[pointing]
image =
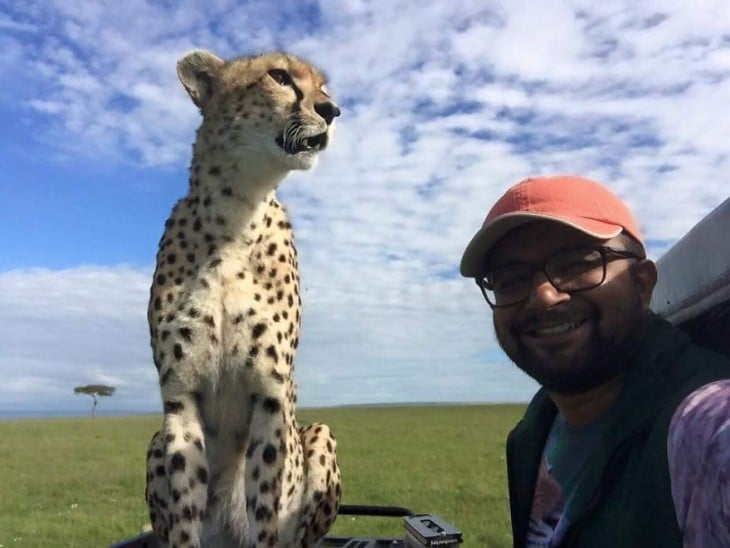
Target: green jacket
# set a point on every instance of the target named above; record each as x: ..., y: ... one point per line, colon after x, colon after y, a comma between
x: 625, y: 497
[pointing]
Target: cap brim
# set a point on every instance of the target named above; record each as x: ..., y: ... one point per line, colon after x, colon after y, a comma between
x: 472, y: 262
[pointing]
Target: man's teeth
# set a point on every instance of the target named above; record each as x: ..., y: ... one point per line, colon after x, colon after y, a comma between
x: 556, y: 329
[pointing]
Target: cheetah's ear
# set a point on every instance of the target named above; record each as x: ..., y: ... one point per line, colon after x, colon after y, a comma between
x: 198, y: 71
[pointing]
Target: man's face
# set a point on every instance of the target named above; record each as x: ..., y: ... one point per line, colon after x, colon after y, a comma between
x: 570, y: 343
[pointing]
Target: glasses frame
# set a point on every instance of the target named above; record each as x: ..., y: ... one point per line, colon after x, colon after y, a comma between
x: 607, y: 253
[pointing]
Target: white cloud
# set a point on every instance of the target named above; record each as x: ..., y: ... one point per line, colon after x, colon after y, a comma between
x: 88, y: 326
x: 444, y: 106
x: 72, y: 327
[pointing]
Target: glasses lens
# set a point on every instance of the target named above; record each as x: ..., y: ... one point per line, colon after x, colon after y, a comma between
x: 576, y: 269
x: 507, y: 285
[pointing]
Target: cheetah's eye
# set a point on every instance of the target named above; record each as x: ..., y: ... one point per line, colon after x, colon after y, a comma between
x: 281, y: 77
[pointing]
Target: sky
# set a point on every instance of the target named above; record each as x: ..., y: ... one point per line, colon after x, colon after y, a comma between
x: 444, y: 106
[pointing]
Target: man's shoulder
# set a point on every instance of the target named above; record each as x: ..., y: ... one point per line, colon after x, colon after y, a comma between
x: 684, y: 364
x: 531, y: 431
x: 697, y: 366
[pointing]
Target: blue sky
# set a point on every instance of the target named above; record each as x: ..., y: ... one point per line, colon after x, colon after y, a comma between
x: 445, y: 104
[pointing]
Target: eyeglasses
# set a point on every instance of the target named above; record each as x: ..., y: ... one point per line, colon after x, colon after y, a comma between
x: 569, y: 271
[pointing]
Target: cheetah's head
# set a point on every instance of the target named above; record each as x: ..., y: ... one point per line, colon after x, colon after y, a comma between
x: 270, y: 109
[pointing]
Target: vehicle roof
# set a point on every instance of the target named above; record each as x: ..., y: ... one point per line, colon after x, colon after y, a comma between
x: 693, y: 289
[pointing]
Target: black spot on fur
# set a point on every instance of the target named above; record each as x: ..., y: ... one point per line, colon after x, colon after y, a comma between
x: 271, y: 352
x: 178, y: 351
x: 186, y: 333
x: 177, y: 463
x: 173, y: 407
x: 258, y: 330
x: 269, y: 454
x: 272, y: 405
x: 252, y: 448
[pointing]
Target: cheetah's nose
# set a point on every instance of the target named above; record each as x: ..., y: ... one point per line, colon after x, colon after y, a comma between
x: 327, y: 110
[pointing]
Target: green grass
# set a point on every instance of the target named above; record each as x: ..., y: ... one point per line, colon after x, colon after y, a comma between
x: 80, y: 482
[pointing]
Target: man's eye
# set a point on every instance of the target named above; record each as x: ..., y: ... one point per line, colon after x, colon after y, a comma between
x: 577, y: 267
x: 574, y: 266
x: 509, y: 281
x: 280, y: 76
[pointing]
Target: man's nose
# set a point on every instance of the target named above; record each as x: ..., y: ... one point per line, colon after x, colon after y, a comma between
x: 544, y: 294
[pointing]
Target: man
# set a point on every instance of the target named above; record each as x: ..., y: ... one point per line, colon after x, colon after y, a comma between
x: 562, y: 264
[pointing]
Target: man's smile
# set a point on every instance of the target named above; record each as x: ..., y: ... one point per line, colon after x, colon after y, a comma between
x: 551, y: 336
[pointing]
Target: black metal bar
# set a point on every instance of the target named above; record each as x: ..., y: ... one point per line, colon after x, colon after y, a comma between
x: 370, y: 510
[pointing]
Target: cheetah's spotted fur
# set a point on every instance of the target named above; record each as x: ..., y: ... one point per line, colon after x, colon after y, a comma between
x: 230, y: 466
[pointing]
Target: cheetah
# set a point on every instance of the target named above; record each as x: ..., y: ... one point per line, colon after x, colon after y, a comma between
x: 230, y: 466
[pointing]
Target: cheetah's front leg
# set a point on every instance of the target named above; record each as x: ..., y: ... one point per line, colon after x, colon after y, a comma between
x: 185, y: 467
x: 323, y: 482
x: 264, y: 468
x: 157, y: 489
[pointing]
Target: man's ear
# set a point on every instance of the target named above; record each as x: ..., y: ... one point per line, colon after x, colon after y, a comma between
x: 645, y: 276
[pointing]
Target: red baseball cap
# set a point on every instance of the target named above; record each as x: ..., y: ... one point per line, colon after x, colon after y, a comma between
x: 568, y: 199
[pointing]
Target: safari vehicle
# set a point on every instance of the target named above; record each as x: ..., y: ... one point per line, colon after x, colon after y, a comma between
x: 419, y: 530
x: 693, y: 292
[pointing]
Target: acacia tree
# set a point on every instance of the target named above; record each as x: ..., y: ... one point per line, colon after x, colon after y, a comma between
x: 95, y: 390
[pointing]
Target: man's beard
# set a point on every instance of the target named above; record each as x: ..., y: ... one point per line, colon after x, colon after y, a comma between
x: 603, y: 358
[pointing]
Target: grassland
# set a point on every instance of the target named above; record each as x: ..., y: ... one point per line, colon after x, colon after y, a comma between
x: 79, y: 482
